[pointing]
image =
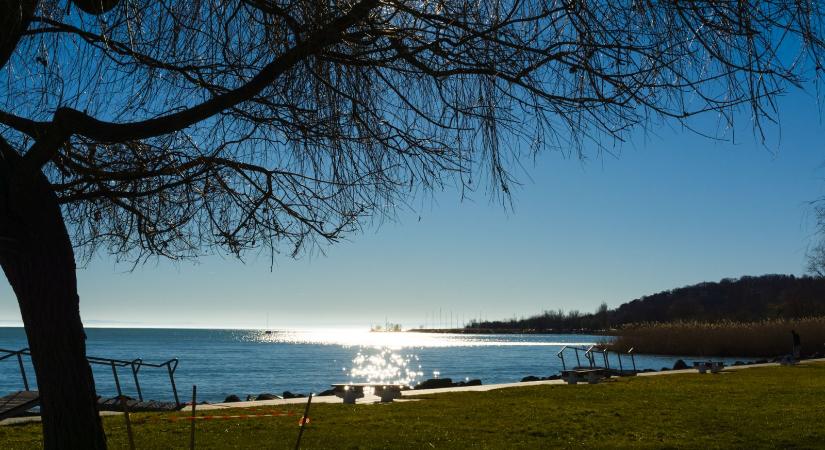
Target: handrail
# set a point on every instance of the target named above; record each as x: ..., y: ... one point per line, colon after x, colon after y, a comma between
x: 135, y: 365
x: 19, y: 354
x: 576, y: 350
x: 590, y: 355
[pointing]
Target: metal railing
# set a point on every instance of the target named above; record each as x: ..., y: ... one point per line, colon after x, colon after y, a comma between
x: 135, y: 365
x: 576, y: 350
x: 590, y: 354
x: 19, y: 354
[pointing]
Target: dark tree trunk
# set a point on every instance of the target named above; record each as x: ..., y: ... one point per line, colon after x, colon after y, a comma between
x: 37, y: 257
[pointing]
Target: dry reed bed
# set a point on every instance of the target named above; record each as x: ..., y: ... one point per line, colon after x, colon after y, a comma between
x: 752, y: 339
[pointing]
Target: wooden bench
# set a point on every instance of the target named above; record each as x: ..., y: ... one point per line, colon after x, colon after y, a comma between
x: 592, y: 376
x: 350, y: 392
x: 704, y: 366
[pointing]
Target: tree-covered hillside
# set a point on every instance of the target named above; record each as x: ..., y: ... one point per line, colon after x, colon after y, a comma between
x: 748, y: 298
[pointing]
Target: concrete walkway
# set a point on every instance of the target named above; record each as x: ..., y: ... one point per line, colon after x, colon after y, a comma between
x: 373, y: 398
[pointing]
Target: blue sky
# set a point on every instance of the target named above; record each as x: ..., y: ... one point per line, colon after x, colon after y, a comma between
x: 672, y: 209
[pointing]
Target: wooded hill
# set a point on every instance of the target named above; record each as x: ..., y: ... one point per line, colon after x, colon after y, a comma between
x: 747, y: 299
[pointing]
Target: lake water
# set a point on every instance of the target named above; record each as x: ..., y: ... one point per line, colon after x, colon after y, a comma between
x: 244, y: 362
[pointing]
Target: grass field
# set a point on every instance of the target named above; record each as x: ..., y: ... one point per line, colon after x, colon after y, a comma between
x: 774, y: 407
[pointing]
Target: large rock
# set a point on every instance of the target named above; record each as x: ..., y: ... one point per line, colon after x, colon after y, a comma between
x: 435, y: 383
x: 267, y: 397
x: 472, y: 383
x: 232, y: 399
x: 326, y: 393
x: 680, y: 365
x: 288, y: 394
x: 530, y: 378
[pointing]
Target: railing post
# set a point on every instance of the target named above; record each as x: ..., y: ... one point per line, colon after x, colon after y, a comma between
x: 619, y: 355
x: 135, y: 376
x: 578, y: 361
x: 22, y: 369
x: 117, y: 381
x: 172, y: 380
x: 560, y: 354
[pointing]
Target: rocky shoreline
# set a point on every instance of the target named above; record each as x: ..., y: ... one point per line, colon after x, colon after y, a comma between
x: 438, y: 383
x: 433, y: 383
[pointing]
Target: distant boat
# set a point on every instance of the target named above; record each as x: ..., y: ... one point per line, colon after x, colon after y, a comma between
x: 268, y: 331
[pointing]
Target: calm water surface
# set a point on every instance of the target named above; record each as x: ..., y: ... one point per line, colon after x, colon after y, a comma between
x: 250, y: 362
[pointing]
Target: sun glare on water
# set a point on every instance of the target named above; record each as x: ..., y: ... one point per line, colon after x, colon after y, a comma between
x: 388, y: 357
x: 391, y: 340
x: 384, y: 366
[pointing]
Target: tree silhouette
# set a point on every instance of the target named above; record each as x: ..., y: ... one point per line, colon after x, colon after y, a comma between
x: 173, y: 128
x: 816, y: 253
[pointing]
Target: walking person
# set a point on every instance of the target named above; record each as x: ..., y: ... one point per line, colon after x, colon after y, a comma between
x: 797, y: 345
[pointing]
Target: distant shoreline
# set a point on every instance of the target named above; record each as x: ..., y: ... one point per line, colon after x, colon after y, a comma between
x: 507, y: 331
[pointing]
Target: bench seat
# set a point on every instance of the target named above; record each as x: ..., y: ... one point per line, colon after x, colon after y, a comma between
x: 350, y: 392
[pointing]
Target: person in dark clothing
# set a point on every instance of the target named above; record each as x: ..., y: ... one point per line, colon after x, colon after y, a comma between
x: 797, y: 344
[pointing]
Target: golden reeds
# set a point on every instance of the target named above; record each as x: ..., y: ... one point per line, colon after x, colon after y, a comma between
x: 751, y: 339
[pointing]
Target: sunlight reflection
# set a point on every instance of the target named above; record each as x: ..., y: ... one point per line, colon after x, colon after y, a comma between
x: 383, y: 366
x: 394, y: 340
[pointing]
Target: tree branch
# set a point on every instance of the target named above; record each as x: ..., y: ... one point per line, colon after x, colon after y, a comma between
x: 69, y: 121
x: 14, y: 20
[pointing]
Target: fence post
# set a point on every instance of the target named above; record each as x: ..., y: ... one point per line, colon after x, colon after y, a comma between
x: 304, y: 420
x: 192, y: 425
x: 125, y: 407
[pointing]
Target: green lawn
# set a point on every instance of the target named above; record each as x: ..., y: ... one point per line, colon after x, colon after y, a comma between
x: 776, y: 407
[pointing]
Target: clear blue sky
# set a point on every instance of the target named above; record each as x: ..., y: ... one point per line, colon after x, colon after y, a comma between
x: 673, y: 209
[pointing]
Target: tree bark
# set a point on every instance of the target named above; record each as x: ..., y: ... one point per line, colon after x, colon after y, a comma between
x: 37, y: 257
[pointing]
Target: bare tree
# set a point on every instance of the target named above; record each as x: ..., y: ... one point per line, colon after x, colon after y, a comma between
x: 816, y: 253
x: 174, y: 128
